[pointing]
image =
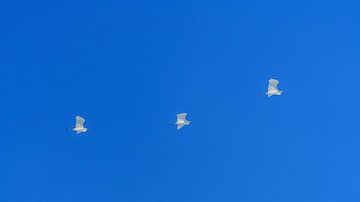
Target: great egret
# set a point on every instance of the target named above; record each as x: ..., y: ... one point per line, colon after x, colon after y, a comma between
x: 79, y: 125
x: 273, y: 89
x: 181, y: 120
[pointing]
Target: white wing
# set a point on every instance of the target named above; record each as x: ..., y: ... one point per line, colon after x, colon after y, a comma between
x: 181, y: 116
x: 273, y: 83
x: 79, y: 122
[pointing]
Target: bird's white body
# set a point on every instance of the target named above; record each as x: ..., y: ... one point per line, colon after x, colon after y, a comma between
x: 80, y: 130
x: 79, y: 125
x: 181, y: 120
x: 273, y: 89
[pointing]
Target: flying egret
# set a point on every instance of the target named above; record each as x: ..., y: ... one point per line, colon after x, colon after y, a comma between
x: 79, y: 125
x: 273, y: 89
x: 181, y: 120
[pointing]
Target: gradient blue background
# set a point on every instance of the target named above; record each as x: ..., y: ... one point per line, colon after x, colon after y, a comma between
x: 130, y: 66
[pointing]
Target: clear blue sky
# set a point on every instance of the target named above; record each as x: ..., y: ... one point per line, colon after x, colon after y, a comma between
x: 129, y: 67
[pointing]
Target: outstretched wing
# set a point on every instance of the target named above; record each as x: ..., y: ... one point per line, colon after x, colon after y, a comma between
x: 181, y: 116
x: 79, y: 122
x: 180, y: 126
x: 273, y: 83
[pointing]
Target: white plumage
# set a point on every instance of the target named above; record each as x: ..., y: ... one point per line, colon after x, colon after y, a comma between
x: 79, y: 125
x: 181, y: 120
x: 273, y: 89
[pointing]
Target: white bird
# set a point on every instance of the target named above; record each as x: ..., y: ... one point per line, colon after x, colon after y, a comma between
x: 79, y: 125
x: 181, y: 120
x: 273, y: 89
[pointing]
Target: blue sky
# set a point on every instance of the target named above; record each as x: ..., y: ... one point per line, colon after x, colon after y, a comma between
x: 130, y: 66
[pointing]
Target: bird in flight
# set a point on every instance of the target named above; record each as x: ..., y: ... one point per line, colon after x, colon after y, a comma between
x: 273, y: 89
x: 181, y: 120
x: 79, y: 125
